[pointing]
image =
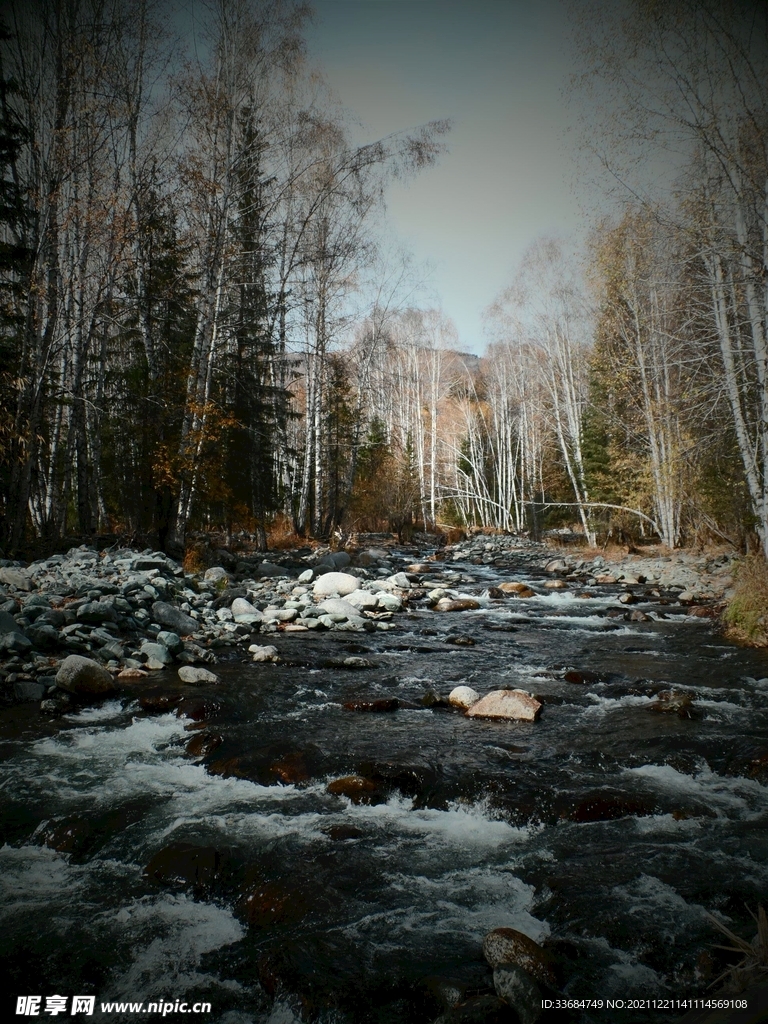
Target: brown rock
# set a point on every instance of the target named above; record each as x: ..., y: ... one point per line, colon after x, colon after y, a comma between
x: 270, y: 903
x: 511, y: 704
x: 383, y: 704
x: 356, y: 788
x: 160, y: 702
x: 605, y: 578
x: 199, y: 709
x: 509, y: 946
x: 556, y: 585
x: 128, y: 674
x: 673, y: 702
x: 291, y: 769
x: 576, y: 676
x: 204, y: 743
x: 518, y: 589
x: 457, y: 604
x: 184, y: 864
x: 610, y: 808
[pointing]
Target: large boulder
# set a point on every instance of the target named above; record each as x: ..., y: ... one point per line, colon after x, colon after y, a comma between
x: 341, y: 583
x: 165, y: 614
x: 512, y: 704
x: 84, y: 677
x: 17, y: 578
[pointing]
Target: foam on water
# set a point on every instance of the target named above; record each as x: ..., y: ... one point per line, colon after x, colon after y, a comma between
x: 649, y: 899
x: 730, y: 796
x: 166, y: 936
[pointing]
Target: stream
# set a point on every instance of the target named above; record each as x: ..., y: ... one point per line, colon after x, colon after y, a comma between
x: 135, y: 870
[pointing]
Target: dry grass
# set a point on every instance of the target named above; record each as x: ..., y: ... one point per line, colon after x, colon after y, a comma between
x: 753, y: 966
x: 746, y: 616
x: 282, y: 537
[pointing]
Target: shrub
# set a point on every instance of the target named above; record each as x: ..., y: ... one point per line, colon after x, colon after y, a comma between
x: 747, y: 613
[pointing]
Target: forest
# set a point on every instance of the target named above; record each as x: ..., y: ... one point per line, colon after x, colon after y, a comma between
x: 199, y: 329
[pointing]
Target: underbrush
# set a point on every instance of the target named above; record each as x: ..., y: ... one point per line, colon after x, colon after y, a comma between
x: 746, y: 616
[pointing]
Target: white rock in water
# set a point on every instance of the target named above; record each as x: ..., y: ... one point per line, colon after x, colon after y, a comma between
x: 265, y: 653
x: 463, y: 697
x: 389, y: 602
x: 341, y: 583
x: 194, y: 675
x: 513, y: 704
x: 362, y: 599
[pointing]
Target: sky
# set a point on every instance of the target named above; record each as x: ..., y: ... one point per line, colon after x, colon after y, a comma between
x: 498, y: 69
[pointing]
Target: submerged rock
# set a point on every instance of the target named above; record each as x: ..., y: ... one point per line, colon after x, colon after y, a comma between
x: 512, y: 704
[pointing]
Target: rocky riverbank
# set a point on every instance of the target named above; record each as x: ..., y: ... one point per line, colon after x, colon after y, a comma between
x: 81, y: 624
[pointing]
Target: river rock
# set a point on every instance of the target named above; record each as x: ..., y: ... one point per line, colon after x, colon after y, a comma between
x: 673, y: 702
x: 7, y: 623
x: 388, y: 602
x: 364, y: 600
x: 165, y: 614
x: 509, y: 946
x: 96, y: 612
x: 517, y: 988
x: 170, y: 640
x: 456, y: 604
x: 341, y: 583
x: 513, y: 704
x: 43, y: 636
x: 270, y: 569
x: 157, y: 655
x: 196, y: 676
x: 355, y: 787
x: 264, y: 653
x: 182, y: 864
x: 215, y: 573
x: 463, y: 697
x: 17, y: 578
x: 556, y: 565
x: 84, y: 677
x: 335, y: 606
x: 518, y: 589
x: 556, y: 585
x: 244, y: 611
x: 14, y: 642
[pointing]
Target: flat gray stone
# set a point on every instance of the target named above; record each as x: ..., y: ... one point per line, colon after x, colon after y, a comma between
x: 196, y: 676
x: 15, y: 578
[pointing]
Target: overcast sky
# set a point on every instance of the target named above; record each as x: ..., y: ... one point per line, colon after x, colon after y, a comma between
x: 497, y: 69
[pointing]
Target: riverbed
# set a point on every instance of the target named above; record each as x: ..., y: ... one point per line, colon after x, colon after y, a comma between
x: 136, y: 869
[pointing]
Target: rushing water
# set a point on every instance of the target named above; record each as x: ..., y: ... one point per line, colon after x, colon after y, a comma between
x: 604, y: 828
